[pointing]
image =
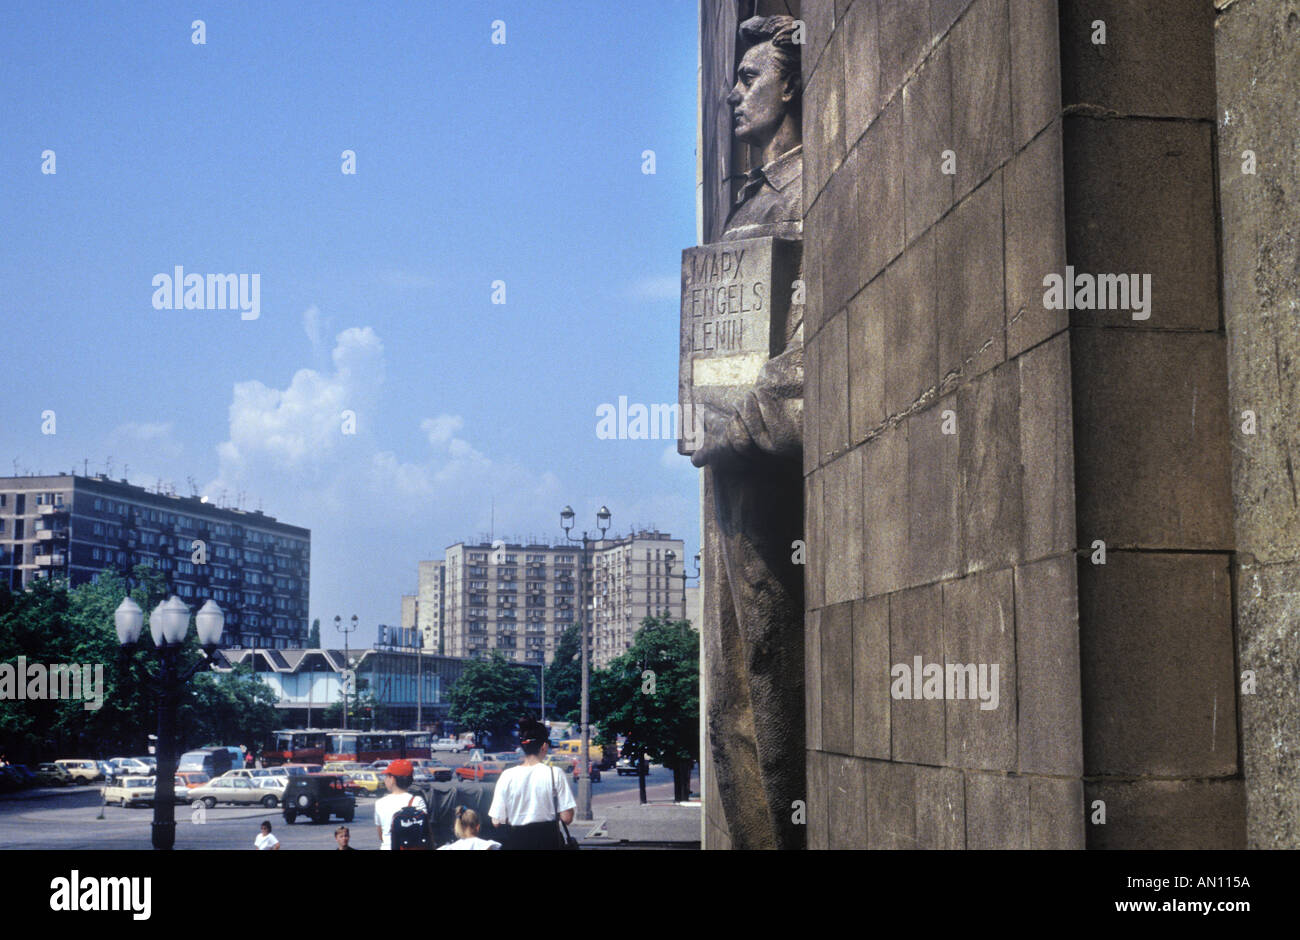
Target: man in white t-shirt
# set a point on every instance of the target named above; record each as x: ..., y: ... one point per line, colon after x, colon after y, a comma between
x: 397, y: 780
x: 528, y: 797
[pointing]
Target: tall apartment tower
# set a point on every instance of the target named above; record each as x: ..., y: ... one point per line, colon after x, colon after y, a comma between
x: 514, y: 598
x: 634, y: 578
x: 257, y: 569
x: 430, y: 587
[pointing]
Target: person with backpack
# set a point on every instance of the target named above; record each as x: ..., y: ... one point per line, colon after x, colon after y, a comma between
x: 533, y: 798
x: 401, y: 817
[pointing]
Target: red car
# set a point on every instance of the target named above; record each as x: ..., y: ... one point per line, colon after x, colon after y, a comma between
x: 482, y: 769
x: 573, y: 766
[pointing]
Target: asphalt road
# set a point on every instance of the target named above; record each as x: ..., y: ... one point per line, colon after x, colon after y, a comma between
x: 70, y: 818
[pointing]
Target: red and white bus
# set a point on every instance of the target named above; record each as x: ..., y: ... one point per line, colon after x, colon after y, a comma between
x: 294, y: 746
x: 367, y: 746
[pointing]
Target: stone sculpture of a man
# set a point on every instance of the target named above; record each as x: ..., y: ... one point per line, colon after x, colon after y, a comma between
x: 754, y: 489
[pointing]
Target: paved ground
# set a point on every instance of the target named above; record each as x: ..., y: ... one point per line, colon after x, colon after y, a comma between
x: 73, y: 818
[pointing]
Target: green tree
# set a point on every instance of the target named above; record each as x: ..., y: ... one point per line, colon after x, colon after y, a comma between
x: 491, y: 695
x: 365, y: 712
x: 651, y: 694
x: 564, y: 676
x: 313, y: 638
x: 228, y: 708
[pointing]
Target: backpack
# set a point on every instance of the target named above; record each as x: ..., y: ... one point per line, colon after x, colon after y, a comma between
x: 410, y: 829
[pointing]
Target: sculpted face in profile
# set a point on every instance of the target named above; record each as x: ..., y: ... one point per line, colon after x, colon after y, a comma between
x: 765, y: 99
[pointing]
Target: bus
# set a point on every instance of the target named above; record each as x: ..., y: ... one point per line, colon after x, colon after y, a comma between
x: 294, y: 746
x: 367, y: 746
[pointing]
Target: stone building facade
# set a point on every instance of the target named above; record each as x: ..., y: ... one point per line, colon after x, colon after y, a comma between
x: 1063, y: 490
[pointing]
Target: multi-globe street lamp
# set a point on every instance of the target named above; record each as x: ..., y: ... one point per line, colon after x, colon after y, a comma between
x: 348, y: 677
x: 168, y: 624
x: 602, y: 523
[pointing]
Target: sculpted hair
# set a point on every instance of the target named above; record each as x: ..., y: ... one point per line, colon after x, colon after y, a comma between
x: 779, y: 31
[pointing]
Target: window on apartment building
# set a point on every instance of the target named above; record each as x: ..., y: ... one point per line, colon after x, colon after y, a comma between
x: 99, y: 505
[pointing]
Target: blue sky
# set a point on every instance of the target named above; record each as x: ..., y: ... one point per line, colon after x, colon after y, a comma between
x: 475, y: 162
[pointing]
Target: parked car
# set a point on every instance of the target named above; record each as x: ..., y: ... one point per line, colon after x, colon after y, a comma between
x: 448, y: 744
x: 274, y: 783
x: 130, y: 791
x: 318, y: 796
x: 627, y: 766
x: 52, y: 775
x: 82, y: 771
x: 342, y: 766
x: 298, y: 770
x: 240, y: 790
x: 9, y: 780
x: 192, y: 778
x: 130, y: 767
x: 251, y: 773
x: 484, y: 769
x: 105, y: 768
x: 150, y: 762
x: 370, y: 781
x: 434, y: 768
x: 213, y: 761
x: 24, y: 775
x: 379, y: 765
x: 573, y: 766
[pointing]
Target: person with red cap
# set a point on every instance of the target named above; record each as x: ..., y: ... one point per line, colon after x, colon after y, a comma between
x: 397, y: 780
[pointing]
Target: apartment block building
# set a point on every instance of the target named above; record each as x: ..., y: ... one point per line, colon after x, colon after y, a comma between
x: 519, y: 598
x: 73, y: 527
x: 633, y: 578
x: 428, y: 606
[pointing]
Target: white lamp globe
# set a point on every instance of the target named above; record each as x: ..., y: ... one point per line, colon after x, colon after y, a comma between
x: 129, y: 620
x: 176, y: 621
x: 156, y: 617
x: 210, y: 620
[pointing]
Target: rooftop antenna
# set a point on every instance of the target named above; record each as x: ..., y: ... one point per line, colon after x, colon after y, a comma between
x: 492, y: 524
x: 108, y: 465
x: 85, y: 466
x: 126, y: 471
x: 194, y: 487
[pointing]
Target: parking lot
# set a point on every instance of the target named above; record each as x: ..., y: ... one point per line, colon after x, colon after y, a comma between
x: 74, y: 818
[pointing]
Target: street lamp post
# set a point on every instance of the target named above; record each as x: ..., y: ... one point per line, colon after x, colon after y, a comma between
x: 669, y: 557
x: 584, y: 781
x: 347, y: 662
x: 168, y: 624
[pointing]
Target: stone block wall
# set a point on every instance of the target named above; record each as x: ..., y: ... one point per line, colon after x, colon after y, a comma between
x: 1257, y: 50
x: 965, y: 446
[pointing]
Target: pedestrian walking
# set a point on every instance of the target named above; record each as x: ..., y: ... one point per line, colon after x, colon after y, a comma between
x: 266, y: 841
x: 467, y: 826
x: 401, y: 812
x: 533, y: 799
x: 342, y: 836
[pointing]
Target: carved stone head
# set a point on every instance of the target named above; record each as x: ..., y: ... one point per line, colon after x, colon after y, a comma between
x: 767, y: 97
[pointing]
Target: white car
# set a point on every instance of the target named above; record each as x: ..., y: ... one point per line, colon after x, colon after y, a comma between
x: 250, y: 774
x: 446, y: 744
x: 233, y: 790
x: 122, y: 766
x: 130, y: 791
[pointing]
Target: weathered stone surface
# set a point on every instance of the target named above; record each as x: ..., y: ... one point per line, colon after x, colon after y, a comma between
x: 943, y: 13
x: 840, y: 257
x: 934, y: 530
x: 1130, y: 73
x: 940, y: 808
x: 891, y: 806
x: 824, y: 119
x: 1150, y: 211
x: 837, y: 678
x: 876, y: 162
x: 927, y: 133
x: 1269, y: 646
x: 904, y: 39
x: 1034, y: 220
x: 1151, y: 439
x: 1047, y: 450
x: 1056, y: 817
x: 833, y: 387
x: 979, y: 628
x: 812, y: 355
x: 989, y: 464
x: 1155, y: 651
x: 818, y: 800
x: 1050, y: 732
x: 843, y: 534
x: 971, y: 305
x: 997, y: 811
x: 812, y: 678
x: 846, y: 782
x: 862, y: 99
x: 814, y: 579
x: 981, y: 87
x: 885, y: 512
x: 867, y: 360
x: 871, y: 678
x: 911, y: 326
x: 819, y: 21
x: 1167, y: 814
x: 916, y: 629
x: 1035, y: 67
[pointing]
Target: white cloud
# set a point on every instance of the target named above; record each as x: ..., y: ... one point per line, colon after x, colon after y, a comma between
x: 660, y: 287
x: 311, y: 325
x: 158, y: 435
x: 408, y: 280
x: 441, y: 428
